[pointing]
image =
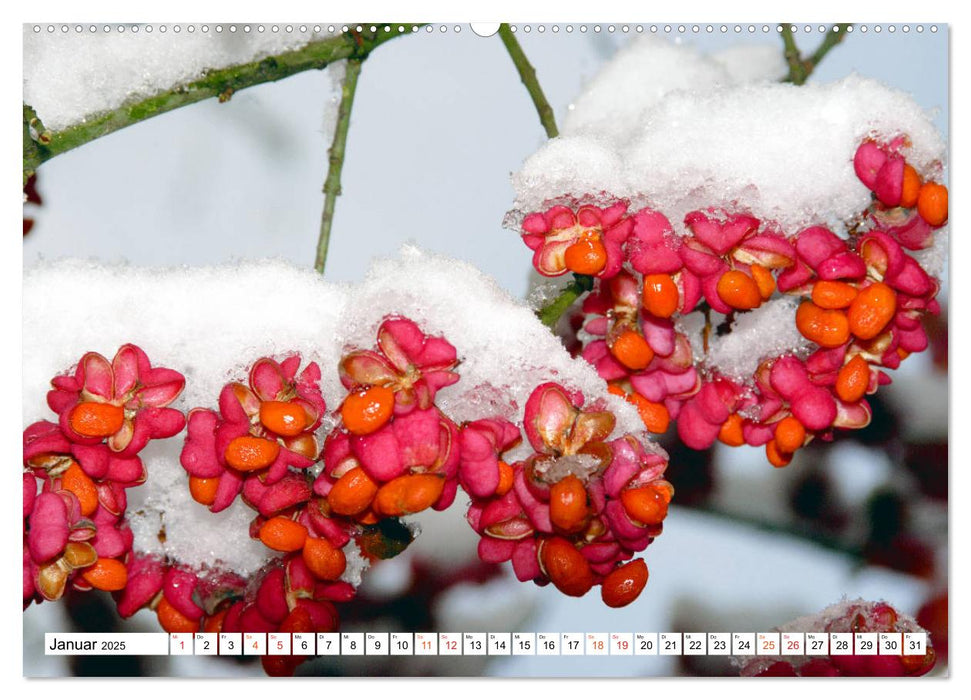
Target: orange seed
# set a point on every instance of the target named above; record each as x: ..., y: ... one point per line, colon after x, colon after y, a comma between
x: 660, y: 296
x: 81, y: 485
x: 932, y: 203
x: 566, y: 567
x: 106, y: 575
x: 203, y: 490
x: 282, y: 534
x: 830, y: 294
x: 632, y: 351
x: 172, y: 620
x: 911, y: 189
x: 872, y: 310
x: 568, y: 503
x: 410, y: 493
x: 285, y: 418
x: 92, y: 419
x: 825, y: 327
x: 323, y: 559
x: 763, y: 280
x: 790, y: 435
x: 731, y: 431
x: 587, y: 256
x: 366, y: 410
x: 853, y: 380
x: 738, y: 290
x: 622, y: 585
x: 248, y: 453
x: 352, y: 493
x: 647, y: 505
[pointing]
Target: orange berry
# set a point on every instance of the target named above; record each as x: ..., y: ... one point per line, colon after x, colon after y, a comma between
x: 622, y: 585
x: 566, y: 567
x: 411, y: 493
x: 92, y: 419
x: 872, y: 310
x: 776, y: 458
x: 324, y: 560
x: 825, y: 327
x: 731, y: 431
x: 283, y: 534
x: 911, y: 190
x: 647, y: 505
x: 106, y: 575
x: 248, y: 453
x: 352, y: 493
x: 739, y: 291
x: 505, y: 479
x: 568, y: 503
x: 853, y: 380
x: 632, y: 351
x: 587, y: 256
x: 203, y: 490
x: 660, y: 296
x: 285, y: 418
x: 366, y: 410
x: 829, y: 294
x: 763, y: 280
x: 81, y: 485
x: 654, y: 415
x: 932, y: 203
x: 172, y: 620
x: 790, y: 435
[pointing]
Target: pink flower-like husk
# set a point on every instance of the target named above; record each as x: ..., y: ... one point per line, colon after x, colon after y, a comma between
x: 422, y: 439
x: 113, y: 538
x: 718, y: 231
x: 771, y: 250
x: 867, y: 161
x: 652, y: 247
x: 271, y: 597
x: 49, y: 527
x: 482, y: 442
x: 178, y: 587
x: 199, y: 457
x: 537, y: 511
x: 276, y: 381
x: 889, y: 185
x: 146, y: 574
x: 269, y: 499
x: 495, y: 551
x: 525, y: 563
x: 30, y: 492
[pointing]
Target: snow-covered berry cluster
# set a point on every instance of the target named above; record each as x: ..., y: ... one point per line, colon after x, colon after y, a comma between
x: 660, y: 301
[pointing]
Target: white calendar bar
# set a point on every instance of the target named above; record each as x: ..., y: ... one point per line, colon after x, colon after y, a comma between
x: 96, y: 644
x: 488, y: 644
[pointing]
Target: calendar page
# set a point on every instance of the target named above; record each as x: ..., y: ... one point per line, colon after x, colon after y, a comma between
x: 522, y: 350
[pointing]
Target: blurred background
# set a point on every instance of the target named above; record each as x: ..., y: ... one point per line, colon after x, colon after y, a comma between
x: 440, y: 120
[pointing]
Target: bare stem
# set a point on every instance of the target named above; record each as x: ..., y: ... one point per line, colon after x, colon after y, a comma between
x: 528, y: 75
x: 40, y: 146
x: 799, y: 68
x: 332, y: 185
x: 551, y: 313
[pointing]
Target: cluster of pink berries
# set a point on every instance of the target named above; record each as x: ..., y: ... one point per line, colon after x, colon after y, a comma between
x: 77, y: 471
x: 573, y: 513
x: 858, y: 617
x: 862, y: 303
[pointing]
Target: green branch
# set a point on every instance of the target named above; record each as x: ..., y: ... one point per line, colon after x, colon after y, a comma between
x: 332, y: 185
x: 551, y: 313
x: 799, y: 68
x: 528, y: 75
x: 220, y: 83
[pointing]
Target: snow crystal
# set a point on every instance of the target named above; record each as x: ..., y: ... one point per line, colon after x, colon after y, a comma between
x: 580, y: 465
x: 212, y: 323
x: 768, y: 331
x: 357, y: 564
x: 668, y: 128
x: 934, y: 258
x: 71, y: 76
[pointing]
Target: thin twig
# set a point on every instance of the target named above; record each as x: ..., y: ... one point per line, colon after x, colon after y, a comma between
x: 220, y: 83
x: 528, y: 75
x: 799, y: 68
x: 551, y: 313
x: 332, y: 185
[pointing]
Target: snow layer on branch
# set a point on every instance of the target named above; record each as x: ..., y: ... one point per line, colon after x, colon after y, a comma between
x: 70, y: 76
x: 641, y: 74
x: 212, y: 323
x: 674, y: 136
